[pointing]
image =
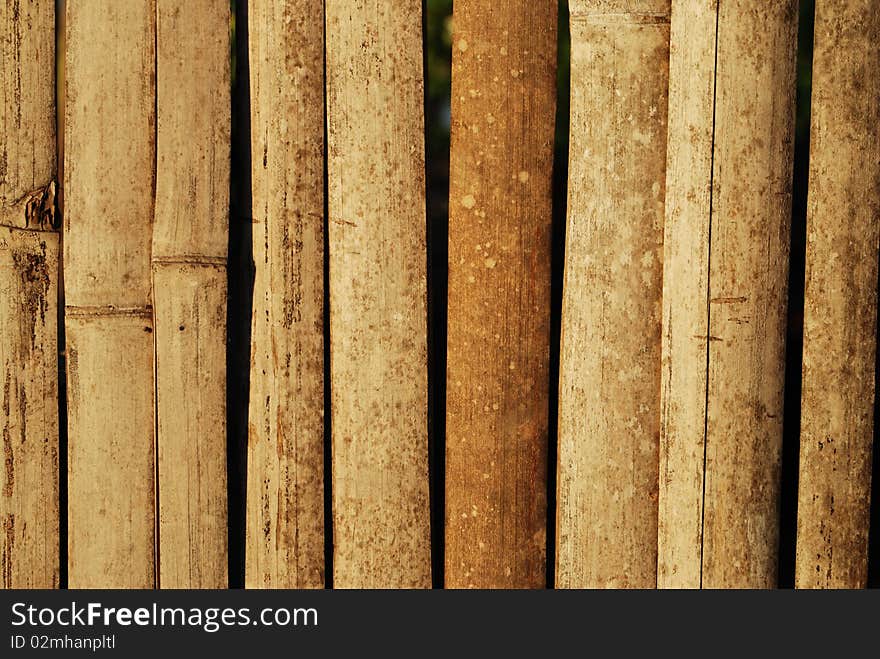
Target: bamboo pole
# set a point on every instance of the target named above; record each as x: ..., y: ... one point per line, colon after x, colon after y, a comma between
x: 285, y: 498
x: 29, y: 507
x: 29, y: 510
x: 376, y: 179
x: 840, y: 310
x: 109, y: 173
x: 498, y: 345
x: 190, y: 236
x: 731, y: 119
x: 609, y: 408
x: 29, y: 271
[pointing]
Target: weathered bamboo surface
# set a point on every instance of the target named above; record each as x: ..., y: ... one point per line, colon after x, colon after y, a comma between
x: 109, y: 183
x: 748, y: 291
x: 27, y: 113
x: 685, y: 276
x: 609, y: 412
x: 840, y: 310
x: 731, y: 121
x: 503, y: 104
x: 29, y: 510
x: 190, y: 236
x: 285, y: 509
x: 29, y: 272
x: 376, y: 167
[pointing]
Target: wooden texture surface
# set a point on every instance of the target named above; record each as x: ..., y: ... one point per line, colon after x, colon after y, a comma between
x: 840, y: 310
x: 609, y: 405
x: 109, y: 186
x: 376, y: 169
x: 189, y: 286
x: 285, y: 509
x: 725, y: 291
x: 29, y: 272
x: 498, y: 344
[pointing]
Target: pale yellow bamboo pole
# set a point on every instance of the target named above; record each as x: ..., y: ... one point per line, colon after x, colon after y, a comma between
x: 748, y: 290
x: 498, y: 345
x: 190, y: 236
x: 109, y: 182
x: 685, y: 286
x: 376, y: 179
x: 609, y: 405
x: 285, y: 498
x: 840, y: 306
x: 29, y: 270
x: 728, y: 206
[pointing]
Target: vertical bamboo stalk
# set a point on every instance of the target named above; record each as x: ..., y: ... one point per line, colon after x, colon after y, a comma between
x: 748, y: 290
x: 609, y: 412
x: 376, y: 179
x: 29, y: 270
x: 503, y: 99
x: 189, y: 287
x: 840, y: 310
x: 731, y: 120
x: 109, y: 178
x: 29, y: 510
x: 285, y: 498
x: 685, y: 286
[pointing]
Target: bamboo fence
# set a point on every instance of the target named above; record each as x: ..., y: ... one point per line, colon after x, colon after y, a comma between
x: 671, y: 407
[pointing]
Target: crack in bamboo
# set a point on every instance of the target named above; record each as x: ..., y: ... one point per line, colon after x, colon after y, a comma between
x: 729, y: 159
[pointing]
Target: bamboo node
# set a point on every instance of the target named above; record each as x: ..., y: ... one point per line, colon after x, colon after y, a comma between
x: 620, y: 18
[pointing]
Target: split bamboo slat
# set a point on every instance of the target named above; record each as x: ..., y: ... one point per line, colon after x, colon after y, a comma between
x: 190, y: 236
x: 378, y: 314
x: 285, y: 498
x: 498, y: 344
x: 840, y: 310
x: 29, y: 272
x: 109, y: 183
x: 609, y: 413
x: 728, y: 207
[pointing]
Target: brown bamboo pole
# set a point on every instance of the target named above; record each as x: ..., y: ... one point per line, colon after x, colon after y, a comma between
x: 840, y: 308
x: 609, y: 407
x: 731, y: 120
x: 378, y: 381
x: 109, y: 178
x: 498, y: 342
x: 190, y: 236
x: 285, y: 499
x: 29, y: 271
